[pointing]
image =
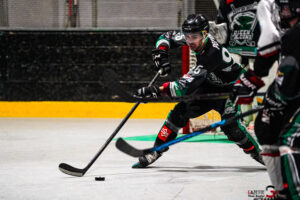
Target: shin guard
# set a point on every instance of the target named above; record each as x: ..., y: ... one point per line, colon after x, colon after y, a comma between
x: 167, y: 133
x: 271, y: 158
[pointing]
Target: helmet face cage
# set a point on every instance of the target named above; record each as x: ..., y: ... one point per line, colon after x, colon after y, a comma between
x: 195, y: 24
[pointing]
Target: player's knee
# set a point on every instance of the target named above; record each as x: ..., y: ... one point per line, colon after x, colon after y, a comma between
x: 270, y: 150
x: 233, y: 132
x: 285, y: 150
x: 263, y: 133
x: 271, y: 156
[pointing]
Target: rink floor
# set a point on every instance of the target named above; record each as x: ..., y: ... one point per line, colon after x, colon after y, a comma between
x: 32, y: 148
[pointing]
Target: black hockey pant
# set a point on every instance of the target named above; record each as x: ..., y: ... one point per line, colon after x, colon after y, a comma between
x: 186, y: 110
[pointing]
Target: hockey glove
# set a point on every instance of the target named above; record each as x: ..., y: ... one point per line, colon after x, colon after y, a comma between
x: 147, y: 92
x: 272, y: 102
x: 245, y: 88
x: 161, y: 61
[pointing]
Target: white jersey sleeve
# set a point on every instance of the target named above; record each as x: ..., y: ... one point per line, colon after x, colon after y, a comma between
x: 268, y: 17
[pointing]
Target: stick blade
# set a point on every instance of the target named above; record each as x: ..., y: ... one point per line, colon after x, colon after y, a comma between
x: 125, y: 147
x: 72, y: 171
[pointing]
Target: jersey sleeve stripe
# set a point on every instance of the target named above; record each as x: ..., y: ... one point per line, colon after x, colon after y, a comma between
x: 162, y: 41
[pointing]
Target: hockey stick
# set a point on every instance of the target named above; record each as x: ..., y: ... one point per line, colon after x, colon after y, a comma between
x: 126, y: 148
x: 110, y: 78
x: 68, y: 169
x: 207, y: 96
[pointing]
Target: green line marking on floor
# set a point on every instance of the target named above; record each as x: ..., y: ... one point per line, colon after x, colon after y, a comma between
x: 199, y: 138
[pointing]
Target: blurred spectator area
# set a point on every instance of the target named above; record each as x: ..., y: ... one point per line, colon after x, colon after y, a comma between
x: 68, y: 65
x: 101, y: 13
x: 57, y: 49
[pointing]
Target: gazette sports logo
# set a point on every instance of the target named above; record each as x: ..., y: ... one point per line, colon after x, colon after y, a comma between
x: 260, y: 194
x: 256, y: 194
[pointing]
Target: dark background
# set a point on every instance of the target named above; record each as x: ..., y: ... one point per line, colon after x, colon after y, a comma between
x: 68, y: 65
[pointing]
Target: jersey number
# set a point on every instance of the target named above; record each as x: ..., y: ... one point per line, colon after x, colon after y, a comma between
x: 226, y: 56
x: 197, y: 69
x: 179, y: 36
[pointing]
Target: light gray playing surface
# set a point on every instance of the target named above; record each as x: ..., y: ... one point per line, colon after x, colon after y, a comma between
x: 31, y: 150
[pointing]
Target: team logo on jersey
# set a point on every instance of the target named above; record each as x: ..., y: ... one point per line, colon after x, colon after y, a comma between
x: 242, y: 22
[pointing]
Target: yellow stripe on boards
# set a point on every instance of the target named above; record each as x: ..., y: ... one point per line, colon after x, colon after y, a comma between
x: 84, y: 109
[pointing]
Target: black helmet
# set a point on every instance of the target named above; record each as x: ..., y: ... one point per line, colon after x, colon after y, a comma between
x: 195, y: 23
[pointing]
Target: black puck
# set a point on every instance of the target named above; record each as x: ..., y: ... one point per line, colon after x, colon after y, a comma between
x: 99, y: 178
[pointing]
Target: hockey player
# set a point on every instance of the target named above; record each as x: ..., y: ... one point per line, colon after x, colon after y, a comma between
x: 215, y: 71
x: 243, y: 32
x: 277, y: 126
x: 268, y: 49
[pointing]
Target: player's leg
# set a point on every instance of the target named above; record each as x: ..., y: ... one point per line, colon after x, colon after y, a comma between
x: 167, y: 133
x: 290, y: 157
x: 238, y: 133
x: 176, y: 119
x: 267, y: 133
x: 283, y: 161
x: 290, y: 165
